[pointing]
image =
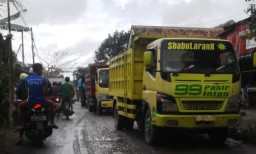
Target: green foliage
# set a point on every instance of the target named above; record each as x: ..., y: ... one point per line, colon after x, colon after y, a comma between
x: 78, y: 73
x: 4, y: 104
x: 252, y: 26
x: 112, y: 46
x: 251, y: 10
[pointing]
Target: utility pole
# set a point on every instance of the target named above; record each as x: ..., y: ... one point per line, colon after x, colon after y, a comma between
x: 32, y: 45
x: 22, y: 45
x: 10, y: 59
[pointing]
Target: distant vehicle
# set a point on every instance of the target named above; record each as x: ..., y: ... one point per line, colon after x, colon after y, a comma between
x: 97, y: 92
x: 65, y: 108
x: 58, y: 80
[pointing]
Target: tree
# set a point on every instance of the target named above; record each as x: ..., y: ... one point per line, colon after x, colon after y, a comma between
x: 112, y: 46
x: 251, y: 9
x: 58, y: 62
x: 79, y: 72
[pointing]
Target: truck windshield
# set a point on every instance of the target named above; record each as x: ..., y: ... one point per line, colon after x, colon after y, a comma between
x: 198, y: 56
x: 103, y: 78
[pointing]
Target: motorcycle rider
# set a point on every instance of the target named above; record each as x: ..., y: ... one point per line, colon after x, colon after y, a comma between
x: 36, y: 88
x: 67, y: 92
x: 56, y: 88
x: 21, y: 94
x: 20, y: 88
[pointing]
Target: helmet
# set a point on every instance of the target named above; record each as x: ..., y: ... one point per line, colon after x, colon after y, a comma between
x: 23, y: 76
x: 31, y: 70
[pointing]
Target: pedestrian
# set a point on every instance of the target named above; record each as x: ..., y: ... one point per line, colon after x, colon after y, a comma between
x: 81, y: 86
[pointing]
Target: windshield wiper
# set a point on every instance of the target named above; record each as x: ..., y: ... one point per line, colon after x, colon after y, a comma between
x: 223, y: 66
x: 188, y: 68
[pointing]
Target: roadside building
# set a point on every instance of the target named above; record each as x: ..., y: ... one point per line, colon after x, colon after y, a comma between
x: 245, y: 47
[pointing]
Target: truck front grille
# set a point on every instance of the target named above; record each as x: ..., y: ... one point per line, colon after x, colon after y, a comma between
x: 201, y: 105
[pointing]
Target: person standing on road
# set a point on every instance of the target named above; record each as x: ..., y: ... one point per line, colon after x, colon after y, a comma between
x: 81, y: 87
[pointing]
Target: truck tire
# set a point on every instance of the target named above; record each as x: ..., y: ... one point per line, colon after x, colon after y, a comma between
x: 90, y: 108
x: 129, y: 123
x: 140, y: 125
x: 99, y: 109
x: 119, y: 120
x: 150, y: 131
x: 218, y: 136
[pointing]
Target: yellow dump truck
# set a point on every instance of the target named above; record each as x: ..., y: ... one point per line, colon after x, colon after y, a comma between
x: 103, y: 100
x: 176, y: 79
x: 97, y: 92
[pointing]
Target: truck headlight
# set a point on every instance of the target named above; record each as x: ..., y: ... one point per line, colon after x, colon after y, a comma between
x: 234, y: 103
x: 103, y: 97
x: 166, y: 103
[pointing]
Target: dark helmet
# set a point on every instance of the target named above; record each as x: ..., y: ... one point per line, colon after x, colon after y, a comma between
x: 54, y: 83
x: 67, y: 79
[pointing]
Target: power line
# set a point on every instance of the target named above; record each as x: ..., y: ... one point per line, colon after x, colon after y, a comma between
x: 15, y: 3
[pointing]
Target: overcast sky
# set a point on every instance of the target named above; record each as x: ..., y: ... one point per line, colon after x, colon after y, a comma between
x: 79, y: 26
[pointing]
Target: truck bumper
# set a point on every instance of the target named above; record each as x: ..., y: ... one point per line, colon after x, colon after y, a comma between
x: 106, y: 104
x: 197, y: 121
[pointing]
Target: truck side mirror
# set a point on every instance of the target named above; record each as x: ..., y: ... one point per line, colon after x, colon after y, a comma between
x: 254, y: 59
x: 148, y: 58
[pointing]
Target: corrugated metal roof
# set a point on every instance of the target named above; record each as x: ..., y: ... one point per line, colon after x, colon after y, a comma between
x: 175, y: 31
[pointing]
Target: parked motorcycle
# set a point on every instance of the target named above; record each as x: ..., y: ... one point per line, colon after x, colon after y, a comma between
x: 37, y: 126
x: 65, y: 108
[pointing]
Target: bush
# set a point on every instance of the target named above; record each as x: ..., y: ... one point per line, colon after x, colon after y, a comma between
x: 4, y: 104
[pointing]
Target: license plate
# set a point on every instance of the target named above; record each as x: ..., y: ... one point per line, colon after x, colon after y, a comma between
x: 205, y: 118
x: 38, y: 118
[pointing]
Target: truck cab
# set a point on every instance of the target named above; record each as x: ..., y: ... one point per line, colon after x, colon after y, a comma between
x: 104, y: 101
x: 191, y: 84
x: 96, y: 86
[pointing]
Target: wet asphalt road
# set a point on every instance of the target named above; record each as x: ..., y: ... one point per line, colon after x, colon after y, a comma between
x: 87, y: 133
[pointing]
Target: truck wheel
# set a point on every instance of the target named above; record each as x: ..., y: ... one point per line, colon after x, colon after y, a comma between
x: 140, y: 124
x: 99, y: 109
x: 119, y: 120
x: 218, y: 136
x: 90, y: 108
x: 150, y: 131
x: 129, y: 123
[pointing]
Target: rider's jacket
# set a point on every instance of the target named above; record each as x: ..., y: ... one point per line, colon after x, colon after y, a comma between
x: 35, y: 85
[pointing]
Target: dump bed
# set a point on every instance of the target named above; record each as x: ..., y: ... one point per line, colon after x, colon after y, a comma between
x: 90, y: 78
x: 126, y: 75
x: 126, y: 69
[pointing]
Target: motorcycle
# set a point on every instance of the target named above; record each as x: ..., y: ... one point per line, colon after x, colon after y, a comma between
x: 37, y: 126
x: 65, y: 108
x: 57, y: 102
